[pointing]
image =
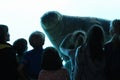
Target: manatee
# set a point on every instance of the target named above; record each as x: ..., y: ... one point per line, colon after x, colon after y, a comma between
x: 57, y: 26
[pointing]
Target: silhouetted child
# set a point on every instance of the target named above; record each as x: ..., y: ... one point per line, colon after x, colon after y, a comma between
x: 20, y: 45
x: 52, y: 67
x: 32, y: 58
x: 90, y: 57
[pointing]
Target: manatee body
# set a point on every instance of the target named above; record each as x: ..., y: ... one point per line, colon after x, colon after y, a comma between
x: 57, y: 26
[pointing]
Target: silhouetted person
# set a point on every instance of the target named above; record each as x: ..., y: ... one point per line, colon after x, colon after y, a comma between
x: 74, y: 40
x: 112, y: 51
x: 32, y: 59
x: 90, y: 58
x: 20, y: 45
x: 8, y: 62
x: 52, y: 67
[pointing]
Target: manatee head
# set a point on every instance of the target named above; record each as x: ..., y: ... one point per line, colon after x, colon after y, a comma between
x: 52, y: 24
x: 49, y: 18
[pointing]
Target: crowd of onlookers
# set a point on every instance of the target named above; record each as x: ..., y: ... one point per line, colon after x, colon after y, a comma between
x: 90, y: 57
